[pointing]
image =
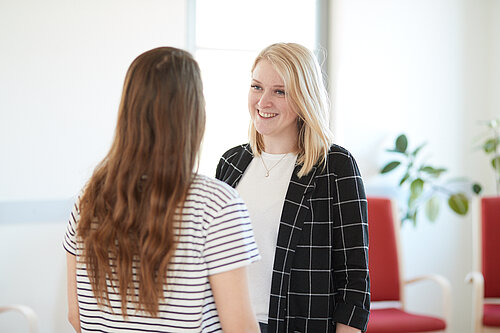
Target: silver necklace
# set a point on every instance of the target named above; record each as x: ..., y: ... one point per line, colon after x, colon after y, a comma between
x: 269, y: 170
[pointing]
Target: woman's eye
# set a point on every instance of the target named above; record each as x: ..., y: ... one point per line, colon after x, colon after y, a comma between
x: 280, y: 92
x: 255, y: 87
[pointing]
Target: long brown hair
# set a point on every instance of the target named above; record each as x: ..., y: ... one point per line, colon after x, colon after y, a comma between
x: 129, y: 205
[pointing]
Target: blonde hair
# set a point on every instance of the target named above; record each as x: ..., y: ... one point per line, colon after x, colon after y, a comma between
x: 128, y: 207
x: 307, y: 95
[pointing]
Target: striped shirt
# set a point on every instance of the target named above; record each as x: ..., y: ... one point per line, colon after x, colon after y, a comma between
x: 215, y: 235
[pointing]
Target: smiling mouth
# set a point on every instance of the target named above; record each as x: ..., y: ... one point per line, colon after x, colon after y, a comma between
x: 266, y: 115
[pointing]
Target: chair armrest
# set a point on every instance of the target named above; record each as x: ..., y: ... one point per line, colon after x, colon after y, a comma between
x: 477, y: 280
x: 440, y: 280
x: 445, y: 286
x: 27, y: 312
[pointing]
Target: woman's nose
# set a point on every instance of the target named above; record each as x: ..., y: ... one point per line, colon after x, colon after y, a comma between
x: 264, y: 101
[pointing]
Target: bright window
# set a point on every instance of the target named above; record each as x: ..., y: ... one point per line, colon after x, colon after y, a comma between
x: 228, y: 35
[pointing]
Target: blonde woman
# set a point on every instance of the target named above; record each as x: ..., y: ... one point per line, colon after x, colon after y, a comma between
x: 306, y: 200
x: 151, y: 245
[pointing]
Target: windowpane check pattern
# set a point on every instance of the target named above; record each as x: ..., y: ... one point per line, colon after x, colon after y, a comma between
x: 320, y: 273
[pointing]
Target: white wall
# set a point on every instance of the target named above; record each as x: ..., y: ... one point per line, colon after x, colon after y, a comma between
x: 32, y: 272
x: 493, y: 33
x: 493, y: 67
x: 62, y: 67
x: 429, y: 69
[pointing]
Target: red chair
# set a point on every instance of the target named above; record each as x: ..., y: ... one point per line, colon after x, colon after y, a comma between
x: 388, y: 313
x: 486, y: 277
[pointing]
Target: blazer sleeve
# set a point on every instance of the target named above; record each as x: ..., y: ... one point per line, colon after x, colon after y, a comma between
x: 218, y: 171
x: 232, y: 164
x: 350, y: 249
x: 224, y: 164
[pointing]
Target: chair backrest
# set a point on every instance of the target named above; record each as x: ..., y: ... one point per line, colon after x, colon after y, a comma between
x: 490, y: 245
x: 383, y: 251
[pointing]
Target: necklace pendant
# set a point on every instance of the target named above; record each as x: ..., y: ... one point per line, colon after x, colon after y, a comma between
x: 269, y: 170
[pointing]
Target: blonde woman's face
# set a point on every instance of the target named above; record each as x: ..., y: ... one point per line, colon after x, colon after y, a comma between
x: 270, y: 111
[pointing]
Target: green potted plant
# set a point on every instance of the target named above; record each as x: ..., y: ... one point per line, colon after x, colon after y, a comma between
x: 491, y: 146
x: 423, y: 183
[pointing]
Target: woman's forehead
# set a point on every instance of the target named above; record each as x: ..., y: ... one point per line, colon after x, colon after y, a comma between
x: 266, y: 73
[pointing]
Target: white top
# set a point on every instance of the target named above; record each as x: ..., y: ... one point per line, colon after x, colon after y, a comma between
x: 264, y: 197
x: 215, y: 236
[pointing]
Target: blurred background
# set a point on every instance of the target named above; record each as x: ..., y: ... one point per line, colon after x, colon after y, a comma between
x: 427, y: 68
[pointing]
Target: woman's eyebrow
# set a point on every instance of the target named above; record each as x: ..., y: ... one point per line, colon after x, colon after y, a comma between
x: 274, y: 86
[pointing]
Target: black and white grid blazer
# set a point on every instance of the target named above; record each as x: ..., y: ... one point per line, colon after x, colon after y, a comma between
x: 320, y: 274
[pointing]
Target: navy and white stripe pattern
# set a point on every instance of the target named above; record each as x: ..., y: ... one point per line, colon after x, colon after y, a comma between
x: 215, y: 235
x: 320, y: 273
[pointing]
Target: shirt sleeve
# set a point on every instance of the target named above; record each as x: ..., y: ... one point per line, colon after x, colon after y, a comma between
x: 230, y: 242
x: 351, y: 253
x: 69, y: 242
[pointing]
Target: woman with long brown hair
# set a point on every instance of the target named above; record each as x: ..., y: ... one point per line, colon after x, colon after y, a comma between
x: 151, y: 245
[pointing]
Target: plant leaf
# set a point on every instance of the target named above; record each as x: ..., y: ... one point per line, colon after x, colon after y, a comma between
x: 401, y: 143
x: 432, y: 208
x: 417, y: 187
x: 490, y: 145
x: 494, y: 123
x: 459, y: 203
x: 476, y: 188
x: 434, y: 172
x: 427, y: 169
x: 390, y: 166
x: 412, y: 200
x: 439, y: 171
x: 405, y: 178
x: 495, y: 162
x: 413, y: 218
x: 392, y: 150
x: 415, y: 152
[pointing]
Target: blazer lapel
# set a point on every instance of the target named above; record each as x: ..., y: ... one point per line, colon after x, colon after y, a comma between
x: 295, y: 209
